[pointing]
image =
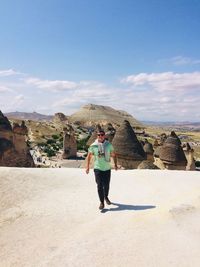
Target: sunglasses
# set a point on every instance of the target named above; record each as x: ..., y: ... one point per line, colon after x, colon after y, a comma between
x: 101, y: 134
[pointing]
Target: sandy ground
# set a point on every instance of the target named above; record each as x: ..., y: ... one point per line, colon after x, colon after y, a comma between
x: 50, y: 217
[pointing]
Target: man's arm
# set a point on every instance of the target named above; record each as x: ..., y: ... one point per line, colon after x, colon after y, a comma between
x: 88, y: 159
x: 114, y: 156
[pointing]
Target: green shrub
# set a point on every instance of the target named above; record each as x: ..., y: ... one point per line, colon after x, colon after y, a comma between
x: 82, y: 144
x: 55, y: 136
x: 41, y: 144
x: 50, y: 152
x: 197, y: 163
x: 51, y: 141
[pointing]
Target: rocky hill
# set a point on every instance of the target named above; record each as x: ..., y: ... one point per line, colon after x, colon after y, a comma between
x: 93, y: 114
x: 34, y: 116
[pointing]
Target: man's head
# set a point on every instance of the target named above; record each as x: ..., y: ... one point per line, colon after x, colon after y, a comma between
x: 101, y: 136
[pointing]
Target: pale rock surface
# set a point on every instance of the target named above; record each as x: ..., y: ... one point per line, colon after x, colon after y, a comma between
x: 60, y: 118
x: 96, y: 114
x: 50, y: 217
x: 14, y: 151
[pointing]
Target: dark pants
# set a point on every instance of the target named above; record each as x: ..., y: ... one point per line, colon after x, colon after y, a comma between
x: 103, y: 181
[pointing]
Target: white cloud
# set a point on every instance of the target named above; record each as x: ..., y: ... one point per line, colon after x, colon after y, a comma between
x: 52, y: 85
x: 147, y: 96
x: 165, y: 81
x: 9, y: 72
x: 163, y: 96
x: 180, y: 60
x: 4, y: 89
x: 18, y: 101
x: 87, y: 92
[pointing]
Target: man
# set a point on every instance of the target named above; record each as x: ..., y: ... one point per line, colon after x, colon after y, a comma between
x: 102, y: 150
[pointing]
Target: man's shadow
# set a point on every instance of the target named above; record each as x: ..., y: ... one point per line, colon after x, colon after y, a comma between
x: 120, y: 207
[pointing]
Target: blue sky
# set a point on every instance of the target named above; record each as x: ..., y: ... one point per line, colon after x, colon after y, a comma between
x: 139, y: 56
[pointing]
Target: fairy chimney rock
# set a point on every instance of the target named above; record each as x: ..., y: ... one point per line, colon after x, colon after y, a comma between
x: 20, y: 129
x: 69, y: 142
x: 129, y: 150
x: 171, y: 153
x: 4, y: 123
x: 14, y: 151
x: 189, y: 153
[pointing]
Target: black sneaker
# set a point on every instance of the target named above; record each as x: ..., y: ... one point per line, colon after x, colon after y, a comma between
x: 107, y: 201
x: 101, y: 206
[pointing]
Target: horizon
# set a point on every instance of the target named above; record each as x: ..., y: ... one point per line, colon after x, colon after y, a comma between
x: 139, y: 56
x: 148, y: 121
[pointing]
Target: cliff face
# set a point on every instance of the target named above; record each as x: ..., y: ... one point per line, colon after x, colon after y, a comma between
x: 14, y: 151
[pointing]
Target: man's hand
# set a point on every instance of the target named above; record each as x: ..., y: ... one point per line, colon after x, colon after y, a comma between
x: 114, y: 156
x: 88, y: 162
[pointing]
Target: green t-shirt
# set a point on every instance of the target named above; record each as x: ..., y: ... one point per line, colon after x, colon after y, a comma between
x: 100, y: 162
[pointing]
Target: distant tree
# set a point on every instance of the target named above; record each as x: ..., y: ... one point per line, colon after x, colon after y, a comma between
x: 55, y: 136
x: 82, y: 144
x: 197, y: 163
x: 50, y: 152
x: 51, y: 141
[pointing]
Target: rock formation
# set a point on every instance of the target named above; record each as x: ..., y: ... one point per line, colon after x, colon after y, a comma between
x: 14, y: 151
x: 148, y: 149
x: 163, y: 137
x: 129, y: 150
x: 110, y: 132
x: 60, y: 118
x: 69, y: 143
x: 155, y: 144
x: 90, y: 115
x: 147, y: 164
x: 189, y: 153
x: 171, y: 155
x: 157, y: 160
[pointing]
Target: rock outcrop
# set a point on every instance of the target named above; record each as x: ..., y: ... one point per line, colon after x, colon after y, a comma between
x: 60, y: 118
x: 147, y: 164
x: 189, y: 154
x: 14, y: 151
x: 69, y: 143
x: 170, y: 155
x: 148, y: 149
x: 130, y: 152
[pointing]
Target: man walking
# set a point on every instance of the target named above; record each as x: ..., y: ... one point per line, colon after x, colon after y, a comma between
x: 102, y: 150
